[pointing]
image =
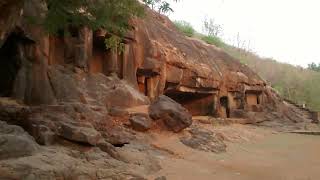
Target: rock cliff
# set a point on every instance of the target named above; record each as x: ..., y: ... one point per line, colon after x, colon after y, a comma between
x: 74, y: 79
x: 71, y: 88
x: 157, y: 60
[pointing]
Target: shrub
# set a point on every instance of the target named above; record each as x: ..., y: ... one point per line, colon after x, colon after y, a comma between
x: 185, y: 27
x: 213, y: 40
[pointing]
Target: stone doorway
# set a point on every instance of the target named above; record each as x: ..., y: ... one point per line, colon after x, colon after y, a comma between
x: 253, y: 98
x: 225, y: 108
x: 198, y: 104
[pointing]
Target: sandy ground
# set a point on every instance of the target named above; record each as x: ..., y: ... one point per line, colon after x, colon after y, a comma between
x: 253, y: 154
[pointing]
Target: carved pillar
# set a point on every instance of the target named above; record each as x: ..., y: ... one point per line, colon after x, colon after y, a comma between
x: 83, y: 48
x: 112, y: 62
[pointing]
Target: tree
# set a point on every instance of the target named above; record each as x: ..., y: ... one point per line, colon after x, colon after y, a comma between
x: 151, y: 3
x: 314, y: 67
x: 165, y: 8
x: 160, y: 5
x: 112, y: 15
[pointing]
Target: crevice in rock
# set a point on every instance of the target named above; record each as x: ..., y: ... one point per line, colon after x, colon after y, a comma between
x: 51, y: 85
x: 120, y: 145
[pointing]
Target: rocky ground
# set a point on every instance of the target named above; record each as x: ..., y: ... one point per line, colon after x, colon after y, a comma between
x: 158, y: 141
x: 202, y: 151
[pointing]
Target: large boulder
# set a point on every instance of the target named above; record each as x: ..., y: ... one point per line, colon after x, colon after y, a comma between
x: 15, y: 142
x: 174, y: 116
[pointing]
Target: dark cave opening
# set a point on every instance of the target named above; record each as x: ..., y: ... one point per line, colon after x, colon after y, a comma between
x: 196, y: 103
x: 224, y: 102
x: 120, y: 145
x: 10, y: 62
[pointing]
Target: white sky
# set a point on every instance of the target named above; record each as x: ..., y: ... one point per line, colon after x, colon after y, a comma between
x: 286, y: 30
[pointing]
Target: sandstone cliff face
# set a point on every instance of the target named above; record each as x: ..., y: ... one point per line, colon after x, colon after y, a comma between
x: 41, y: 69
x: 157, y: 60
x: 201, y: 77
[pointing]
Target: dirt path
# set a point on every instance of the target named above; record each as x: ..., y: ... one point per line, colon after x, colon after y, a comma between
x: 271, y: 156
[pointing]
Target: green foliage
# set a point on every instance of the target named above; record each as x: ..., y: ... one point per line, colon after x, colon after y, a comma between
x: 112, y: 15
x: 185, y: 27
x: 114, y: 43
x: 314, y: 67
x: 213, y: 40
x: 165, y: 8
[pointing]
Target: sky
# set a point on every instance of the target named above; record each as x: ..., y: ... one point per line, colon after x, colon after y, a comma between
x: 285, y: 30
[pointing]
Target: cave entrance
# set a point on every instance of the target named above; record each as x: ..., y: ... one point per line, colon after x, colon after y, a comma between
x: 198, y: 104
x: 253, y: 98
x: 98, y: 61
x: 10, y: 62
x: 225, y: 109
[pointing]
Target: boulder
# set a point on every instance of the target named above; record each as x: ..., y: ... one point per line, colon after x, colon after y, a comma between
x: 15, y: 142
x: 140, y: 122
x: 204, y: 140
x: 175, y: 117
x: 123, y: 95
x: 79, y: 134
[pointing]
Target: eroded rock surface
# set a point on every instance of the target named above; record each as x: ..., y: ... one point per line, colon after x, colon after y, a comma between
x: 73, y: 163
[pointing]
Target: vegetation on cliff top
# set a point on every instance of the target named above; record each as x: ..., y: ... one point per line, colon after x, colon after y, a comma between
x: 295, y: 83
x: 185, y: 27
